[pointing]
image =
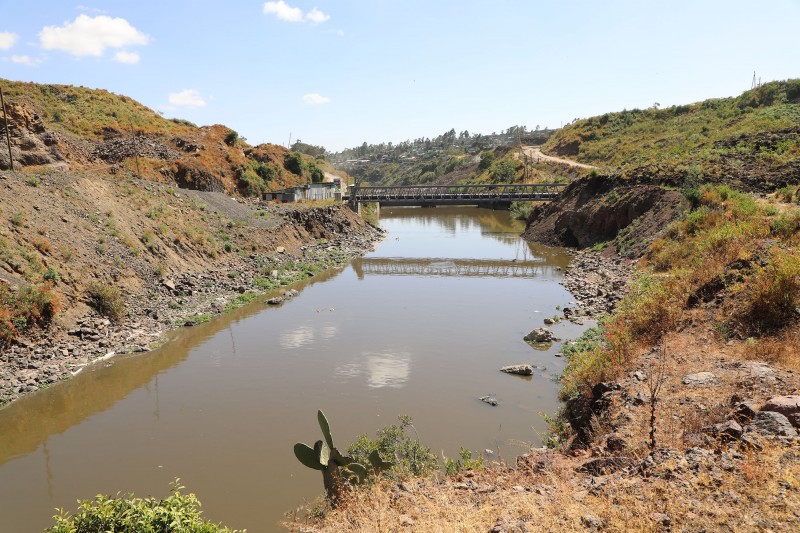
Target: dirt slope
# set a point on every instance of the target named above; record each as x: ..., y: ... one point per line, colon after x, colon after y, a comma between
x: 174, y: 255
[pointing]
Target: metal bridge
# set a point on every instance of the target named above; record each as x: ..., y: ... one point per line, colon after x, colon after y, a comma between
x: 496, y: 195
x: 450, y: 267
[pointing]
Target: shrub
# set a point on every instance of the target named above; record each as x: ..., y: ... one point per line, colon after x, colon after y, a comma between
x: 52, y: 275
x: 503, y: 172
x: 42, y: 244
x: 17, y: 219
x: 8, y: 330
x: 785, y: 194
x: 178, y: 512
x: 293, y: 162
x: 521, y: 210
x: 394, y: 444
x: 250, y: 183
x: 772, y: 294
x: 464, y: 462
x: 317, y: 175
x: 487, y: 158
x: 264, y: 170
x: 107, y: 301
x: 231, y: 138
x: 42, y: 302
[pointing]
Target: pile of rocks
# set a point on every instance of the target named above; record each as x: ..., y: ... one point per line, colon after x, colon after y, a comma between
x: 118, y: 149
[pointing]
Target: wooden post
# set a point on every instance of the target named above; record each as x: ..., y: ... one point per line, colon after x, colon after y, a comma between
x: 8, y: 137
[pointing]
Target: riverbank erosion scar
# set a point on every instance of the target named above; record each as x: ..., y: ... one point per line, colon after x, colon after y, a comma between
x: 277, y: 246
x: 598, y: 208
x: 618, y: 216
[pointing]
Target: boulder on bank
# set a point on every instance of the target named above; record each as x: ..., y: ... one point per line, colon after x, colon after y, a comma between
x: 520, y: 370
x: 539, y: 335
x: 788, y: 406
x: 771, y: 423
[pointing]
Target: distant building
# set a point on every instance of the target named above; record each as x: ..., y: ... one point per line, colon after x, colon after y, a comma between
x: 307, y: 193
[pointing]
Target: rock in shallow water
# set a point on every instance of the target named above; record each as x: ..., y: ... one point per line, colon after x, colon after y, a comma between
x: 539, y: 335
x: 521, y: 370
x: 491, y: 400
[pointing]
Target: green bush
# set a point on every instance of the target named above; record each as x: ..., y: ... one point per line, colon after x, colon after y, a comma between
x: 231, y: 138
x: 487, y: 158
x: 503, y: 172
x: 394, y: 444
x: 250, y: 183
x: 317, y: 175
x: 520, y: 210
x: 264, y: 170
x: 293, y: 162
x: 178, y: 512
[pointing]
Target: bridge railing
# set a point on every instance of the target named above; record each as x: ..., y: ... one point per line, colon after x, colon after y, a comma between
x: 492, y: 192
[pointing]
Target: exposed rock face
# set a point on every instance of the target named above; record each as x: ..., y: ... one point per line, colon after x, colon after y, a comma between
x: 597, y: 208
x: 31, y: 143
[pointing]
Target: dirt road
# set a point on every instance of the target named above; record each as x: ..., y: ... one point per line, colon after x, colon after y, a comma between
x: 536, y: 154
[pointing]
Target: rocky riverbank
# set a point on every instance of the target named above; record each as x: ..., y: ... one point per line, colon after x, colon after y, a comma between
x: 597, y: 282
x: 309, y: 241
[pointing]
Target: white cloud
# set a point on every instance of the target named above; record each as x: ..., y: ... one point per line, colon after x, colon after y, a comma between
x: 90, y: 36
x: 315, y: 99
x: 25, y: 60
x: 187, y: 98
x: 7, y: 39
x: 284, y: 11
x: 317, y: 16
x: 129, y: 58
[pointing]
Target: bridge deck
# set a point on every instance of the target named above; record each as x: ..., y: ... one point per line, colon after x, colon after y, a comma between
x: 455, y: 194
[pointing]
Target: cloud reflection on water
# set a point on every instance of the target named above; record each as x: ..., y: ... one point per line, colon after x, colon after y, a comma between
x: 381, y: 369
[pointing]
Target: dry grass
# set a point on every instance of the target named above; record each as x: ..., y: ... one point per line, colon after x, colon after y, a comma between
x: 760, y: 492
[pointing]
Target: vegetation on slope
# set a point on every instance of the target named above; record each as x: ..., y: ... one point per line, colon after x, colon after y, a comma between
x: 92, y: 129
x: 753, y: 139
x: 731, y: 249
x: 448, y: 158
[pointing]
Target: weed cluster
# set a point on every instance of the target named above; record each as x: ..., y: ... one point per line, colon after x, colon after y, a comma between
x: 107, y: 300
x: 27, y: 307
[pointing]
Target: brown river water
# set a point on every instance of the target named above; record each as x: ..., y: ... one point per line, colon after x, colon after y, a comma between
x: 418, y: 327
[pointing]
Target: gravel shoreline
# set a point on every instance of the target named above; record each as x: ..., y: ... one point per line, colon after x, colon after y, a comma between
x: 59, y: 353
x: 597, y: 282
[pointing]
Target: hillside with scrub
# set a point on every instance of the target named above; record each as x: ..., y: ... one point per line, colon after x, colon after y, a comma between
x: 118, y: 225
x: 76, y: 128
x: 751, y: 141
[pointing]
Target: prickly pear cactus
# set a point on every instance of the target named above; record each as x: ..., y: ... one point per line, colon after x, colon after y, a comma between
x: 337, y: 469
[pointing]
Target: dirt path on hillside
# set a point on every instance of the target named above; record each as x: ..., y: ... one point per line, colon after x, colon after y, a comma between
x: 535, y: 152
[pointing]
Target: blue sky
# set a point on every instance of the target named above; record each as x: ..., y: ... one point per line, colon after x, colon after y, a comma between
x: 338, y: 73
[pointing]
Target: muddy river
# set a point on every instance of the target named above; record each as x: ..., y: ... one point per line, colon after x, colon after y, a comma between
x: 418, y: 327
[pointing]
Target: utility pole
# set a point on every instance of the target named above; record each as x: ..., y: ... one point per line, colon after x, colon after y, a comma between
x: 8, y: 137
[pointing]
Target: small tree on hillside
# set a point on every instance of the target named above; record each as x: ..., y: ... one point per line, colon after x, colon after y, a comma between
x: 293, y: 162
